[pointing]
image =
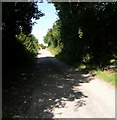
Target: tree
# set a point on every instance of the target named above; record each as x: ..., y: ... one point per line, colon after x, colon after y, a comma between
x: 17, y: 17
x: 53, y: 38
x: 88, y: 31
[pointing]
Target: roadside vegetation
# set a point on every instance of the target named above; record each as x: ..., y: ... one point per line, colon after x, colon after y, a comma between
x: 28, y: 46
x: 85, y: 37
x: 41, y: 46
x: 105, y: 75
x: 19, y: 46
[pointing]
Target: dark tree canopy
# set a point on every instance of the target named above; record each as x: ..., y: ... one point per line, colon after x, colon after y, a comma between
x: 17, y: 18
x: 87, y: 32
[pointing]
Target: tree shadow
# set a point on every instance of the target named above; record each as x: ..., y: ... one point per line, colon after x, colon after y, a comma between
x: 44, y: 88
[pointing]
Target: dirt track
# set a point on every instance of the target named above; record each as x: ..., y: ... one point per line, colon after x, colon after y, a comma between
x: 56, y: 90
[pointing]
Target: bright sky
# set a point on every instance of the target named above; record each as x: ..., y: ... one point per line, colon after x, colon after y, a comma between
x: 46, y: 22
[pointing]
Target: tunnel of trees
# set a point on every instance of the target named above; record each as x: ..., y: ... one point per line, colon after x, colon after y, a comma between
x: 85, y: 33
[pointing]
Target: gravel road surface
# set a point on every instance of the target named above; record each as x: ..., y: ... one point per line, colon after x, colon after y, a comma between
x: 56, y: 90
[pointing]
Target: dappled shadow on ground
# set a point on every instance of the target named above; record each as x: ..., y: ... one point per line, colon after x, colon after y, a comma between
x: 43, y: 90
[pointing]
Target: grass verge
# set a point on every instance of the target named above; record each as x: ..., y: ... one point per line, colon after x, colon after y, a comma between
x: 107, y: 76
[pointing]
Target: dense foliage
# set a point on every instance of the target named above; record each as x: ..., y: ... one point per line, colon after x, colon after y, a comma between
x: 41, y: 46
x: 29, y: 46
x: 53, y: 38
x: 17, y: 18
x: 86, y: 32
